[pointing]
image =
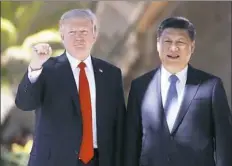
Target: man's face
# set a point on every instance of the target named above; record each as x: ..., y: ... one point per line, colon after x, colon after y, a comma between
x: 78, y: 36
x: 175, y: 48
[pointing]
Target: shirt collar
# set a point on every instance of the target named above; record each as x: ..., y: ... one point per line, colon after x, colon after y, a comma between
x: 182, y: 75
x: 75, y: 62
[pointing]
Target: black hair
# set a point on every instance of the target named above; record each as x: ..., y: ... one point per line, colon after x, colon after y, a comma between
x: 177, y: 22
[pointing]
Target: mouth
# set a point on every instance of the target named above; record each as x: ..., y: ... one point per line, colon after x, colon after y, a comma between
x: 173, y: 56
x: 79, y: 44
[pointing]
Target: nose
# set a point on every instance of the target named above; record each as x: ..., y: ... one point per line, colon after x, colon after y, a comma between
x: 173, y: 47
x: 79, y: 37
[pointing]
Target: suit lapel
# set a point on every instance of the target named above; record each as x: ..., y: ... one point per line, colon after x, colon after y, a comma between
x: 158, y: 101
x: 65, y: 72
x: 100, y: 89
x: 191, y: 87
x: 153, y: 112
x: 158, y: 97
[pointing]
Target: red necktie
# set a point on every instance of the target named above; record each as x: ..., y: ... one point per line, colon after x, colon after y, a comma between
x: 86, y: 150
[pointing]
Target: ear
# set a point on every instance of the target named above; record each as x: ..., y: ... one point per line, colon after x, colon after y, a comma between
x: 95, y: 33
x: 158, y: 45
x: 62, y: 36
x: 95, y: 36
x: 193, y: 46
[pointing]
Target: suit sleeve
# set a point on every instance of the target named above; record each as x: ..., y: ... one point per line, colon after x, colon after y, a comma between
x: 133, y: 132
x: 29, y: 95
x: 120, y: 119
x: 34, y: 75
x: 222, y: 126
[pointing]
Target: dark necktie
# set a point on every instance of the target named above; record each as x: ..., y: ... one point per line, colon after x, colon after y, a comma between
x: 86, y: 150
x: 172, y: 94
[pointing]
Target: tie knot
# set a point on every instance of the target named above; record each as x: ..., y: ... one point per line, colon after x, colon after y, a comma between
x: 82, y: 65
x: 173, y: 78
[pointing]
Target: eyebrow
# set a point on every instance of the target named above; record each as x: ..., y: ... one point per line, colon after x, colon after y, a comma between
x: 75, y: 29
x: 168, y: 38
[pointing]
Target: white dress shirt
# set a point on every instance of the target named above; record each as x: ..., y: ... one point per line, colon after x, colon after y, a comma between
x: 180, y: 87
x: 33, y: 76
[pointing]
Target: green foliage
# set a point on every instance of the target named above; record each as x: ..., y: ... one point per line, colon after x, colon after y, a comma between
x: 13, y: 159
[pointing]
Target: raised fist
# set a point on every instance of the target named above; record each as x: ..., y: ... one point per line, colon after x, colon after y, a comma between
x: 40, y: 53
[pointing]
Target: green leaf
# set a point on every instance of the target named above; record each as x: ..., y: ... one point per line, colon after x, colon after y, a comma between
x: 9, y: 28
x: 50, y: 35
x: 27, y: 11
x: 7, y: 8
x: 4, y: 81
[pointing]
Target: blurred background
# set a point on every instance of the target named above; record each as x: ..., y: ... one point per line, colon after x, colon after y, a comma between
x: 127, y: 39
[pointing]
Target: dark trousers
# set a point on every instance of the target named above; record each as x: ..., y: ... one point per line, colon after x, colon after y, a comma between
x: 93, y: 162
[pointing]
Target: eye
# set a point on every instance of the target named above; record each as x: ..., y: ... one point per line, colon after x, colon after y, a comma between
x: 84, y: 32
x: 181, y: 42
x: 167, y: 41
x: 72, y: 32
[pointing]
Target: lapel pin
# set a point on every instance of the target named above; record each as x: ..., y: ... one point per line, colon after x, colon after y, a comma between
x: 101, y: 70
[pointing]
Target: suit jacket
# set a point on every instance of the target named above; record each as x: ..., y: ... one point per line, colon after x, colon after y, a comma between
x: 58, y: 130
x: 202, y: 128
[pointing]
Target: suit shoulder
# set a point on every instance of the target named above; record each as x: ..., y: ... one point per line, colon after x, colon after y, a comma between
x: 107, y: 65
x: 50, y: 62
x: 144, y: 77
x: 206, y: 76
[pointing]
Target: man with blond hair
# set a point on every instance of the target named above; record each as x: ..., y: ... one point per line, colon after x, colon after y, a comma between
x: 78, y: 99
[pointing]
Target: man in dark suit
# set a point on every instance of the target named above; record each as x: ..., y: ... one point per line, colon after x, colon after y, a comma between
x: 177, y: 115
x: 78, y: 100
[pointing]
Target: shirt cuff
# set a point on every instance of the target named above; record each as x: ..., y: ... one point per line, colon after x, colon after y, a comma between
x: 34, y: 75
